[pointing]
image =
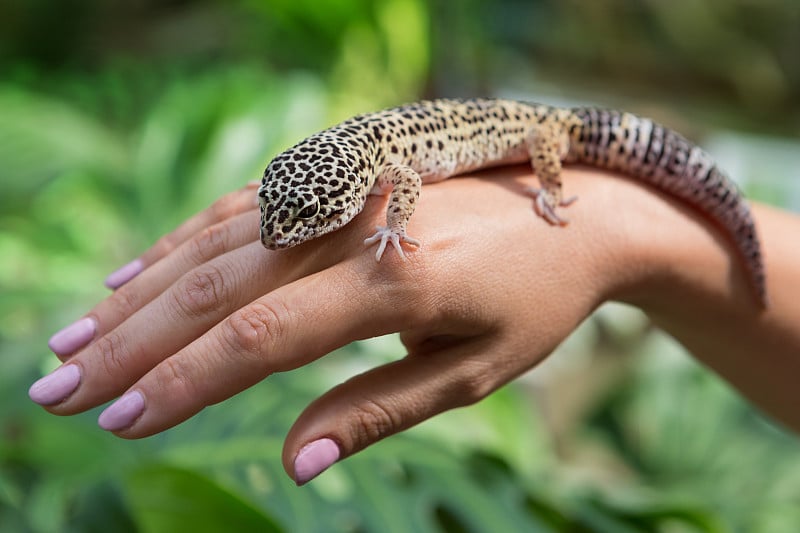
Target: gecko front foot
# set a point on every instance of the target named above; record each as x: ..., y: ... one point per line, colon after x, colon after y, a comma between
x: 385, y: 235
x: 545, y: 206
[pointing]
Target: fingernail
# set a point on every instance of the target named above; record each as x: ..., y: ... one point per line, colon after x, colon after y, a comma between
x: 123, y: 412
x: 124, y: 274
x: 55, y: 386
x: 74, y: 336
x: 313, y: 459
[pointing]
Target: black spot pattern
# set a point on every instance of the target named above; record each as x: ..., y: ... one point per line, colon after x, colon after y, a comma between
x: 441, y: 138
x: 661, y: 157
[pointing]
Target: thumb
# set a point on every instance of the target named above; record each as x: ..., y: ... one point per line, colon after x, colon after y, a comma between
x: 385, y: 401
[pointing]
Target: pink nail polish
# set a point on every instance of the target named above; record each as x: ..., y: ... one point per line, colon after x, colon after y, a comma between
x: 73, y: 337
x: 56, y: 386
x: 124, y: 274
x: 123, y: 412
x: 313, y: 459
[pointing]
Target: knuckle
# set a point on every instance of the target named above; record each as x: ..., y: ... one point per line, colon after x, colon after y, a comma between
x: 208, y: 244
x: 111, y: 348
x: 253, y: 328
x: 224, y: 207
x: 125, y: 301
x: 374, y: 421
x: 164, y: 245
x: 473, y: 384
x: 200, y: 291
x: 174, y: 377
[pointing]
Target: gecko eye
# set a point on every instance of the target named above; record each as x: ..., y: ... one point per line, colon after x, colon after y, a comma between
x: 309, y: 210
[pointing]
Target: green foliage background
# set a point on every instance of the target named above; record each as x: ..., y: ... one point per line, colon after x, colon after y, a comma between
x: 118, y: 120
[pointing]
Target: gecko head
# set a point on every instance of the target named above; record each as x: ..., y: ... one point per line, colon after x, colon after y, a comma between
x: 302, y: 196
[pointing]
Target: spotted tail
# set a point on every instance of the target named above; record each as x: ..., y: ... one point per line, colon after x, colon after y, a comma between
x: 661, y: 157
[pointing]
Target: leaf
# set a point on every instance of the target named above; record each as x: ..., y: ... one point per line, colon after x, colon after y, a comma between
x: 100, y: 508
x: 41, y: 137
x: 168, y: 499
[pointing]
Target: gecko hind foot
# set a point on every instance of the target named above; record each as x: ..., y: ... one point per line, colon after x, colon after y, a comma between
x: 545, y: 206
x: 386, y: 235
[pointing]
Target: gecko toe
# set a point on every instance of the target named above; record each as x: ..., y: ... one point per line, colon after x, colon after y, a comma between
x: 411, y: 241
x: 384, y: 236
x: 569, y: 201
x: 545, y: 208
x: 396, y: 243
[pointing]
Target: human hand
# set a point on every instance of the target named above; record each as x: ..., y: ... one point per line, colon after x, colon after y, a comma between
x: 491, y: 292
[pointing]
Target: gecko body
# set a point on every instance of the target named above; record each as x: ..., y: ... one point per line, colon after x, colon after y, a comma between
x: 321, y: 183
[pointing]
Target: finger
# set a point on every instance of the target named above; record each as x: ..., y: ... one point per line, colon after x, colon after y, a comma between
x: 196, y: 302
x: 387, y: 400
x: 283, y: 330
x: 225, y: 207
x: 188, y: 309
x: 204, y: 246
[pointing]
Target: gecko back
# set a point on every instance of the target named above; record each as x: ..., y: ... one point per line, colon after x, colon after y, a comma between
x: 321, y: 183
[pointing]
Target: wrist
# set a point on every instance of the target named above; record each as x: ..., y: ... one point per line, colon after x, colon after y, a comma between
x: 668, y: 253
x: 638, y: 240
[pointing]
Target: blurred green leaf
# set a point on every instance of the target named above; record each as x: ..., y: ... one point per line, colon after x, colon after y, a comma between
x: 99, y: 509
x: 167, y: 499
x: 42, y: 137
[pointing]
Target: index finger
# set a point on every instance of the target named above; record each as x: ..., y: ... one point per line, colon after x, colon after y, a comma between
x: 227, y: 206
x: 285, y: 329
